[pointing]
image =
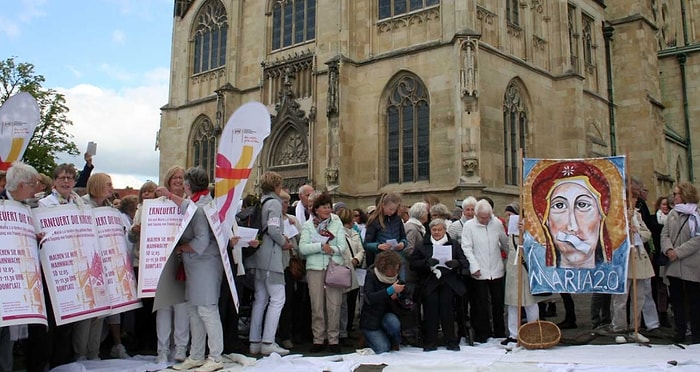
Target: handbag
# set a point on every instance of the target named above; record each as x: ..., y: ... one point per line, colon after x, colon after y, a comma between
x: 180, y: 273
x: 338, y: 276
x: 297, y: 269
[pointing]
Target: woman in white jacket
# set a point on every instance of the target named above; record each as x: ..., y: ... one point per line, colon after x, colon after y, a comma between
x: 483, y: 239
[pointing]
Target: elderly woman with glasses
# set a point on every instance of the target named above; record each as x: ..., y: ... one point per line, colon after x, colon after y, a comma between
x: 63, y: 184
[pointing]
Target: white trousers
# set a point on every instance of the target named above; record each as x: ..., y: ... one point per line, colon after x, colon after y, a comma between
x: 164, y: 327
x: 532, y: 312
x: 270, y: 296
x: 645, y: 306
x: 87, y: 335
x: 206, y: 322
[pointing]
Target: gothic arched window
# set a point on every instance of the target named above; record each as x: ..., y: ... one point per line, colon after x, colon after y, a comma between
x: 514, y: 131
x: 293, y: 22
x: 393, y: 8
x: 210, y: 37
x: 408, y: 131
x: 203, y: 145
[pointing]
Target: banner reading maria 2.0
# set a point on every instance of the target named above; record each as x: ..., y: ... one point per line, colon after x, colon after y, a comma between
x: 576, y: 234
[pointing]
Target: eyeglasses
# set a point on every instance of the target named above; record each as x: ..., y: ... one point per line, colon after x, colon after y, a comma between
x: 66, y: 178
x: 31, y: 184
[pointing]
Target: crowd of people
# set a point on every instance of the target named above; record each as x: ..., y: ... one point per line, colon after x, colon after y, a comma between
x: 416, y: 272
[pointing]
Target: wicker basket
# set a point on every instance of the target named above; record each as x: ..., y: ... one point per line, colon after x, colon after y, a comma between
x: 539, y: 335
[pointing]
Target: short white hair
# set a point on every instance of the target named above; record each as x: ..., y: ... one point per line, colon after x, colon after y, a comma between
x: 20, y: 173
x: 418, y: 210
x: 483, y: 206
x: 438, y: 221
x: 469, y: 200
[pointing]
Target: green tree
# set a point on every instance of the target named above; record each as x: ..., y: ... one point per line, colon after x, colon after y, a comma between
x: 50, y: 136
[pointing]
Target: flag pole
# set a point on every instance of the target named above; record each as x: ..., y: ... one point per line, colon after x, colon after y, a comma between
x: 518, y: 249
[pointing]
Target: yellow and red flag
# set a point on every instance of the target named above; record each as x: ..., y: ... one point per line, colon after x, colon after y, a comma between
x: 19, y: 116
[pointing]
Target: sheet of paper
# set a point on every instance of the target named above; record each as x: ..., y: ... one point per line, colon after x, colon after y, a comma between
x: 513, y: 222
x: 246, y: 234
x: 318, y: 238
x: 361, y: 274
x: 393, y: 243
x: 442, y: 253
x: 290, y: 230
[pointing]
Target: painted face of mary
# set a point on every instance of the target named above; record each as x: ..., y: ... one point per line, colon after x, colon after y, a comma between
x: 574, y: 221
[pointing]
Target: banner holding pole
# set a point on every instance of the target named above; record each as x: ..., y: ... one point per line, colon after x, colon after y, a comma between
x: 19, y: 116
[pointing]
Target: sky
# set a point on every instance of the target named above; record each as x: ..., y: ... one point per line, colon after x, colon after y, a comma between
x: 111, y: 60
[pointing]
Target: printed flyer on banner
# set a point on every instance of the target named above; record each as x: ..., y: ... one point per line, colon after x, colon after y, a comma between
x: 576, y: 234
x: 22, y: 290
x: 72, y: 263
x: 116, y: 260
x: 162, y: 223
x: 213, y: 217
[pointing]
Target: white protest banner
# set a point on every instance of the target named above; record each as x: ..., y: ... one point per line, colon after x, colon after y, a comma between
x: 19, y: 116
x: 162, y: 224
x: 241, y: 141
x: 213, y: 217
x: 118, y: 271
x: 22, y: 290
x: 172, y: 291
x: 72, y: 263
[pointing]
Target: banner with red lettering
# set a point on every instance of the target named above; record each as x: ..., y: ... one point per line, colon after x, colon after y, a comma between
x: 72, y: 263
x: 162, y: 224
x: 116, y: 261
x: 22, y: 300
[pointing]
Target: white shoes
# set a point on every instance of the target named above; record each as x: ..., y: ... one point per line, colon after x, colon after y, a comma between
x: 118, y: 351
x: 210, y: 366
x: 267, y: 349
x: 180, y: 354
x: 255, y: 348
x: 162, y: 357
x: 188, y: 364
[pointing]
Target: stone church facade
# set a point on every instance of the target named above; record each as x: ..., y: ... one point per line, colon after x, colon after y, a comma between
x: 437, y: 96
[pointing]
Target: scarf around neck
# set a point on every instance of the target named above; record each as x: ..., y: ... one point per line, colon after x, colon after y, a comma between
x: 197, y: 195
x: 661, y: 217
x: 420, y: 226
x: 691, y: 209
x: 442, y: 240
x: 385, y: 279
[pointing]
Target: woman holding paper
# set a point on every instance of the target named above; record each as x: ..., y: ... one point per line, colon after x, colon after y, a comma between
x: 512, y: 265
x: 385, y: 231
x: 322, y: 240
x: 438, y: 261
